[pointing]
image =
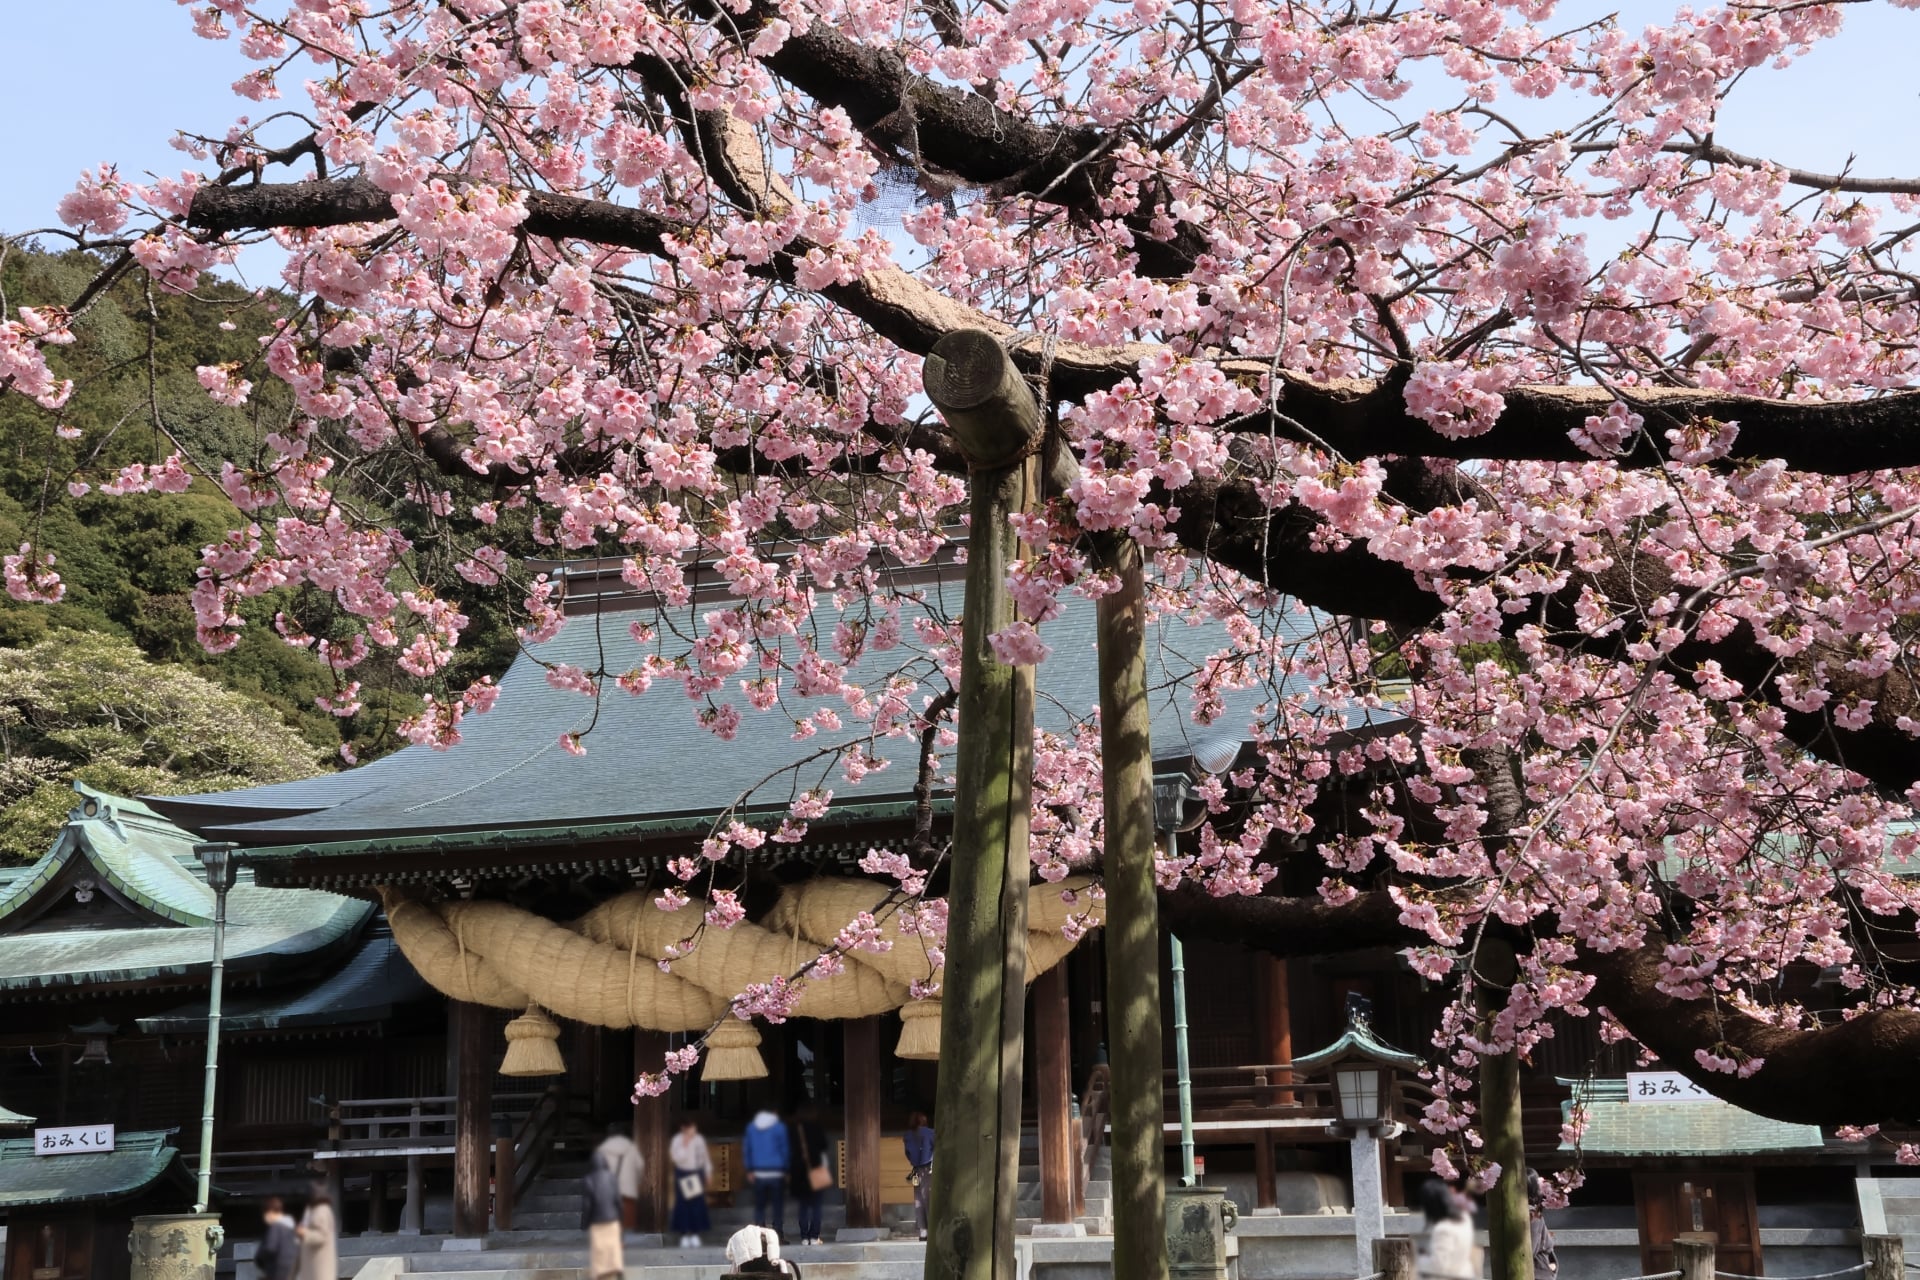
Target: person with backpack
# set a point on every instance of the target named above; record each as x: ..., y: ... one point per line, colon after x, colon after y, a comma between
x: 600, y: 1215
x: 755, y: 1251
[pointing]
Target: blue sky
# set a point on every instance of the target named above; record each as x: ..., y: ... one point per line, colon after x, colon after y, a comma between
x: 96, y: 80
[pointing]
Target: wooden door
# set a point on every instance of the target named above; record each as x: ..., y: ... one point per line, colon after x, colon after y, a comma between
x: 49, y: 1250
x: 1699, y: 1202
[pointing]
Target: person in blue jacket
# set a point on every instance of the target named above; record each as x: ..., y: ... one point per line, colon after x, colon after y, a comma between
x: 765, y: 1154
x: 919, y: 1144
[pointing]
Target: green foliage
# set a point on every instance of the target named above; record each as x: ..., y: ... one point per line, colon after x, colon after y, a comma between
x: 93, y: 708
x: 129, y: 562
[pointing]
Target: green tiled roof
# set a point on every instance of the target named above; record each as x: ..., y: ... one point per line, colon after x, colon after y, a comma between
x: 138, y: 1158
x: 147, y: 863
x: 133, y: 849
x: 647, y: 759
x: 14, y: 1120
x: 1616, y: 1127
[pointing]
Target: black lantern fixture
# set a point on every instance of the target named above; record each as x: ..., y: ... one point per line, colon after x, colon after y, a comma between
x: 1361, y: 1065
x: 96, y: 1035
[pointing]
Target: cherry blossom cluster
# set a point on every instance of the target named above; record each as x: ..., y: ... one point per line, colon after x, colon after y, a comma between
x: 1581, y: 718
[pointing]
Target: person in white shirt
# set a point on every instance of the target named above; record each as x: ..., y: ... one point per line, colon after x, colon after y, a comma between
x: 1449, y: 1251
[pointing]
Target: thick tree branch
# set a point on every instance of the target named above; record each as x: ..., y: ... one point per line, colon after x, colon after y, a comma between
x: 1873, y: 1053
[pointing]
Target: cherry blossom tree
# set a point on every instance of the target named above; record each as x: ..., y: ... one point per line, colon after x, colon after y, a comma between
x: 1437, y: 350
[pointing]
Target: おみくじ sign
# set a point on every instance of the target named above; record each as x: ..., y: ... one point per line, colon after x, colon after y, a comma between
x: 73, y: 1140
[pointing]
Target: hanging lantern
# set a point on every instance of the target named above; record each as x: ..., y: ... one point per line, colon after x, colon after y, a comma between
x: 533, y: 1045
x: 733, y: 1053
x: 919, y: 1031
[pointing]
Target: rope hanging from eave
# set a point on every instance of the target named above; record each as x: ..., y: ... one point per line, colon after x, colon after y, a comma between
x: 500, y: 955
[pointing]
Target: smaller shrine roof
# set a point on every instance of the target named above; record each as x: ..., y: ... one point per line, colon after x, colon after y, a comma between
x: 138, y: 1159
x: 10, y: 1119
x: 1617, y: 1127
x: 368, y: 988
x: 119, y: 898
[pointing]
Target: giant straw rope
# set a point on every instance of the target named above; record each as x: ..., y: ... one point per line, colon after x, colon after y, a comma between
x: 607, y: 969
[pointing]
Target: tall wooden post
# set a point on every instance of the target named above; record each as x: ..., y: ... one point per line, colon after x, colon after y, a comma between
x: 1133, y: 928
x: 1509, y: 1234
x: 1274, y: 1031
x: 472, y: 1117
x: 651, y: 1133
x: 998, y: 425
x: 1053, y: 1065
x: 860, y: 1047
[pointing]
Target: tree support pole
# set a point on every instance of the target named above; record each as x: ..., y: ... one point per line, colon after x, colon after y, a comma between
x: 998, y: 425
x: 1509, y: 1234
x: 1133, y: 928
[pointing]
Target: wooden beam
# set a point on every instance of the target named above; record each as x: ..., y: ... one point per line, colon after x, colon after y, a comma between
x: 472, y: 1116
x: 999, y: 426
x: 860, y: 1050
x: 1133, y: 926
x: 1053, y: 1069
x: 652, y: 1130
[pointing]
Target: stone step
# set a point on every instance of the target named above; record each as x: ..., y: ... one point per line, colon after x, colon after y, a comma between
x: 549, y: 1202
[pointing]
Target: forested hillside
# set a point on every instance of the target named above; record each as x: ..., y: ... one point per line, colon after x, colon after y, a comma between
x: 129, y: 563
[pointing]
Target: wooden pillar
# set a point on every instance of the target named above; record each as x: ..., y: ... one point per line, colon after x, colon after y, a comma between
x: 1274, y: 1032
x: 472, y: 1116
x: 1265, y: 1187
x: 503, y: 1174
x: 1133, y: 927
x: 652, y: 1131
x: 1053, y: 1069
x: 860, y: 1046
x: 998, y: 425
x: 377, y: 1202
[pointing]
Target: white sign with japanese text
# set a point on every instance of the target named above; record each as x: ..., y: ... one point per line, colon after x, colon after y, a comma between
x: 73, y: 1140
x: 1664, y: 1086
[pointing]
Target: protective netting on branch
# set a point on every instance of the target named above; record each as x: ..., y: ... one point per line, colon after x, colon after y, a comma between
x: 628, y: 963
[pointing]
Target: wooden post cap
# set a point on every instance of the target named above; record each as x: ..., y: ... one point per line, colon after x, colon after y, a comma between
x: 975, y: 386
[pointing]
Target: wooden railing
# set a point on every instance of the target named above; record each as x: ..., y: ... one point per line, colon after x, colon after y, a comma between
x: 395, y: 1124
x: 1096, y: 1107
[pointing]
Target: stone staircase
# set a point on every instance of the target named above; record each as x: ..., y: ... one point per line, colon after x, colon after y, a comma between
x: 547, y: 1242
x: 884, y: 1260
x: 1098, y: 1219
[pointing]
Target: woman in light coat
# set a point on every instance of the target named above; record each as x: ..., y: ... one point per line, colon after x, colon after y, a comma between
x: 319, y: 1235
x: 692, y: 1172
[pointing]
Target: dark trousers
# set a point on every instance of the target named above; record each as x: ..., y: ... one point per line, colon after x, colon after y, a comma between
x: 769, y: 1201
x: 808, y: 1201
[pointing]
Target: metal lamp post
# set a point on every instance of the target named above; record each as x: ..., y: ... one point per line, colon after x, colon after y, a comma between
x: 1362, y: 1067
x: 1170, y: 792
x: 217, y: 858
